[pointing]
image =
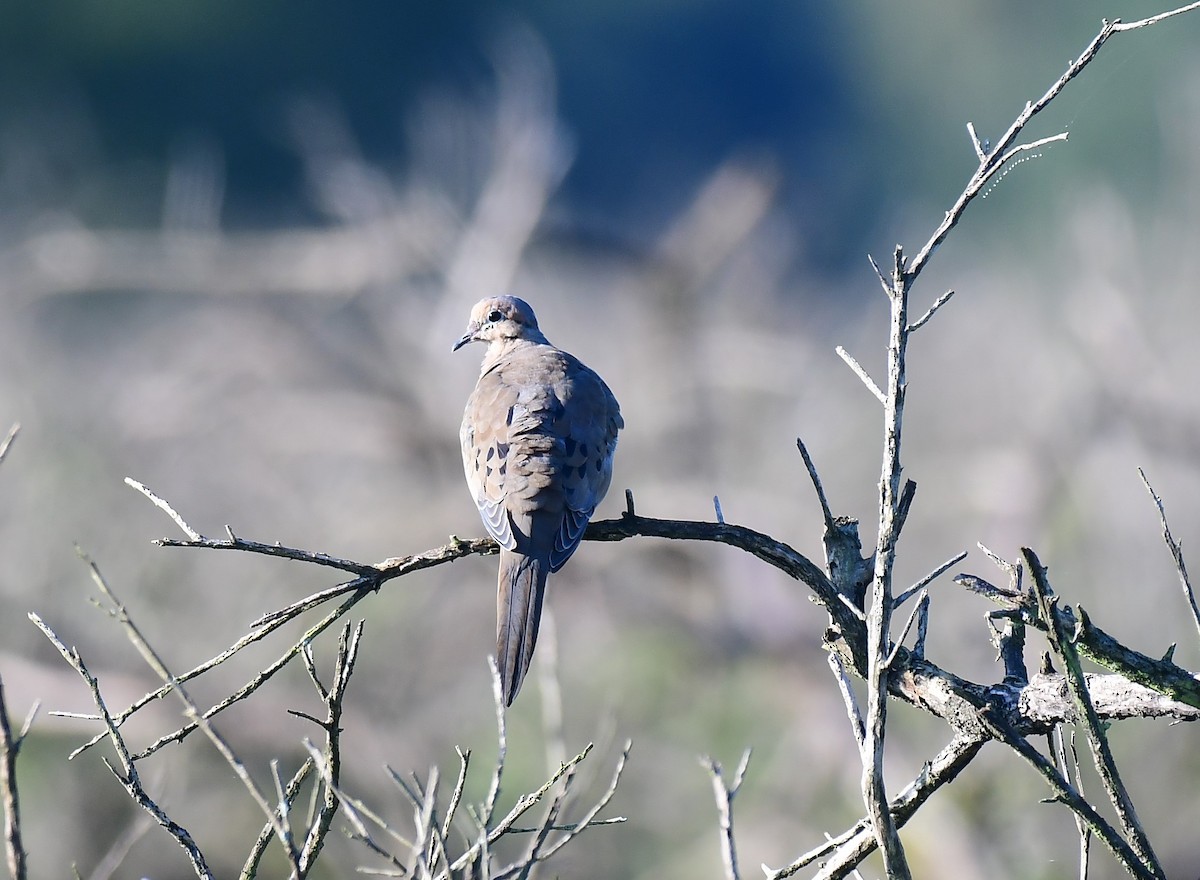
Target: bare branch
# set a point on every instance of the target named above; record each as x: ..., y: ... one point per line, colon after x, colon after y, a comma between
x: 1106, y: 765
x: 1003, y: 163
x: 355, y: 811
x: 861, y: 373
x: 1066, y: 794
x: 246, y: 690
x: 127, y: 775
x: 920, y: 609
x: 1154, y: 19
x: 981, y: 150
x: 826, y: 512
x: 524, y: 803
x: 156, y: 663
x: 290, y: 792
x: 333, y: 698
x: 930, y: 578
x: 1070, y: 769
x: 1176, y: 551
x: 884, y: 281
x: 892, y: 509
x: 843, y: 852
x: 848, y: 697
x: 991, y: 161
x: 589, y: 817
x: 489, y: 805
x: 8, y: 439
x: 9, y: 747
x: 1098, y: 646
x: 724, y: 794
x: 166, y: 508
x: 933, y: 310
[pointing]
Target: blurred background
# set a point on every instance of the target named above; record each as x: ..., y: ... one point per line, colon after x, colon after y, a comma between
x: 237, y: 241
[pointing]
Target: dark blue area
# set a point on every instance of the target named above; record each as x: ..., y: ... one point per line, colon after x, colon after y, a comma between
x: 656, y: 95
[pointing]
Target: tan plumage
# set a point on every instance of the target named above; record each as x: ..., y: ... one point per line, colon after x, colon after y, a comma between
x: 538, y: 437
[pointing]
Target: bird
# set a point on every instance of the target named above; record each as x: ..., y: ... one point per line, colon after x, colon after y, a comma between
x: 538, y: 437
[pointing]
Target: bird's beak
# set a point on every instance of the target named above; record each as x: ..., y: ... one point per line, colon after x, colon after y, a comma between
x: 469, y: 336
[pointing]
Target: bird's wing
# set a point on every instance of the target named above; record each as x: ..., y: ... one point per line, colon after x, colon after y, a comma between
x: 485, y: 450
x: 587, y: 427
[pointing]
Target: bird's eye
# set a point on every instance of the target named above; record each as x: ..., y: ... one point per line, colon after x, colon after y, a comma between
x: 494, y: 315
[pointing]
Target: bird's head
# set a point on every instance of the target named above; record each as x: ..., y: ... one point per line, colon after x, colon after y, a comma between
x: 501, y: 319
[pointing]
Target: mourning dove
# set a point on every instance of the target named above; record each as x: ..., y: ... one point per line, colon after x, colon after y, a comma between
x: 538, y: 437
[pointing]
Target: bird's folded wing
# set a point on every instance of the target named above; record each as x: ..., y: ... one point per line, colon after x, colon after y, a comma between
x: 588, y: 425
x: 485, y: 447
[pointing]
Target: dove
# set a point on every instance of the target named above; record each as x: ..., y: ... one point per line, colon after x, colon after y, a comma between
x: 538, y: 437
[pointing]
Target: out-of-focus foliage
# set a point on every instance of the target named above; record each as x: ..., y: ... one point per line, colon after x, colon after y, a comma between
x: 237, y: 240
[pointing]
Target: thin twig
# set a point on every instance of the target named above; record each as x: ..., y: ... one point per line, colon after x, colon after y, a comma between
x: 523, y: 867
x: 826, y: 512
x: 156, y: 663
x: 127, y: 775
x: 930, y: 578
x: 267, y: 834
x: 884, y: 281
x: 423, y: 825
x: 724, y: 793
x: 1012, y: 569
x: 848, y: 698
x: 933, y: 310
x: 261, y: 678
x: 1024, y: 148
x: 861, y: 373
x: 1058, y: 743
x: 589, y: 818
x: 524, y: 803
x: 489, y: 805
x: 981, y: 149
x: 853, y: 845
x: 921, y: 608
x: 1154, y: 19
x: 1065, y: 793
x: 1176, y: 551
x: 334, y: 697
x: 464, y: 761
x: 10, y: 746
x: 354, y: 811
x: 8, y: 439
x: 166, y: 508
x: 993, y: 160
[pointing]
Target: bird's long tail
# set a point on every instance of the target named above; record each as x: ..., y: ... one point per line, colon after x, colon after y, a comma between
x: 521, y: 586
